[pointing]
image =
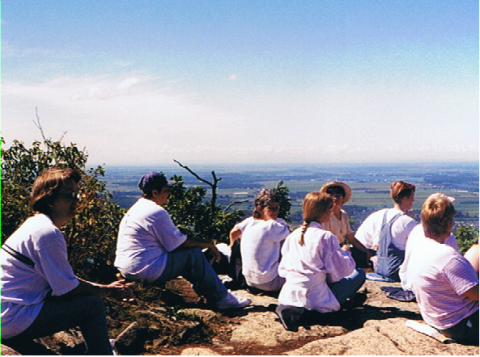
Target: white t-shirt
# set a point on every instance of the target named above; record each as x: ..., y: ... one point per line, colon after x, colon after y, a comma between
x: 439, y: 276
x: 260, y: 250
x: 339, y: 227
x: 24, y: 288
x: 369, y: 231
x: 415, y: 234
x: 146, y: 235
x: 248, y: 221
x: 308, y: 267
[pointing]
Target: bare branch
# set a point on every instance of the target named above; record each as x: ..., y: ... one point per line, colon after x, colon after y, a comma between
x: 234, y: 203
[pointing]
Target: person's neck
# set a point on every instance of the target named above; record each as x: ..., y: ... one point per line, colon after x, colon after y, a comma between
x: 58, y: 220
x: 400, y: 207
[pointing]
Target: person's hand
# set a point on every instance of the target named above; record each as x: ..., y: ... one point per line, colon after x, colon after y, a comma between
x: 216, y: 253
x: 120, y: 290
x: 346, y: 247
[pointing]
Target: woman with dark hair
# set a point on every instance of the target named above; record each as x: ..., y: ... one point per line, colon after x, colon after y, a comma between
x: 40, y: 294
x: 261, y: 242
x: 151, y: 249
x: 444, y: 282
x: 319, y: 274
x: 339, y: 224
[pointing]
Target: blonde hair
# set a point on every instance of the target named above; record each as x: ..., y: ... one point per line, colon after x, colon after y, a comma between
x: 315, y: 205
x: 437, y: 216
x: 401, y: 189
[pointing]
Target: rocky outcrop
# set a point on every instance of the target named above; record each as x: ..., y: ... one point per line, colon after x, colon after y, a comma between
x: 376, y: 328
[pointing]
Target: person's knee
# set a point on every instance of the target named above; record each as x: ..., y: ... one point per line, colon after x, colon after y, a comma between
x: 93, y: 304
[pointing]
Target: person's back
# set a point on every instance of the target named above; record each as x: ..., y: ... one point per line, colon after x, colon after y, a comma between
x: 439, y: 280
x: 260, y: 250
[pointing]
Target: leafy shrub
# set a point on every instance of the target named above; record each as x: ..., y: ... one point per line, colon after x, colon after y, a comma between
x: 198, y: 219
x: 466, y: 237
x: 91, y: 236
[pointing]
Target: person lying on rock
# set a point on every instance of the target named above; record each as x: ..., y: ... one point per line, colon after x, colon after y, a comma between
x: 40, y: 294
x: 261, y: 241
x: 444, y: 282
x: 387, y: 230
x: 320, y: 275
x: 150, y: 248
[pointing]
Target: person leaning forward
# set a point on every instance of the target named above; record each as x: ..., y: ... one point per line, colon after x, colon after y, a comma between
x: 152, y: 249
x: 40, y: 293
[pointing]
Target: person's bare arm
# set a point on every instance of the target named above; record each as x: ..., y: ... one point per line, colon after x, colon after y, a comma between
x: 234, y: 234
x: 472, y: 293
x: 192, y: 243
x: 118, y: 290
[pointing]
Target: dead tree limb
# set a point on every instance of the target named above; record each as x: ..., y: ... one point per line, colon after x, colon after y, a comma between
x: 213, y: 186
x: 233, y: 203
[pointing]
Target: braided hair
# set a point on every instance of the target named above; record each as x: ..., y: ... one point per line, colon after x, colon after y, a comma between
x: 315, y: 205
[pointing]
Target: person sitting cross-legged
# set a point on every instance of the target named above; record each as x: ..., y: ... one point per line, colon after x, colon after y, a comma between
x: 152, y: 249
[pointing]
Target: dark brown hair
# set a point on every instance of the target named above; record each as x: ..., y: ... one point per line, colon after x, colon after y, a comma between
x: 263, y: 199
x: 47, y: 186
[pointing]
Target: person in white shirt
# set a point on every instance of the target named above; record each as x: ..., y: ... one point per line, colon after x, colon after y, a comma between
x: 387, y: 230
x: 444, y: 282
x: 261, y: 242
x: 40, y: 294
x: 262, y: 201
x: 415, y: 235
x: 339, y: 224
x: 152, y: 249
x: 319, y: 274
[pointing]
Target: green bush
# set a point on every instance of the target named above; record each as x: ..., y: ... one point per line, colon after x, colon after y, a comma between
x: 196, y: 218
x: 91, y: 236
x: 466, y: 237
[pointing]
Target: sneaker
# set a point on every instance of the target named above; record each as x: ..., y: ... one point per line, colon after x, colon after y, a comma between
x: 231, y: 301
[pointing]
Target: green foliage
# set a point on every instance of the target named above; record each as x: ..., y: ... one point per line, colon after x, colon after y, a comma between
x: 194, y: 217
x: 283, y: 193
x: 91, y: 237
x: 466, y: 237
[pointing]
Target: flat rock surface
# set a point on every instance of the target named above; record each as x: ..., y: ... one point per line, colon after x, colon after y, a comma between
x: 376, y: 328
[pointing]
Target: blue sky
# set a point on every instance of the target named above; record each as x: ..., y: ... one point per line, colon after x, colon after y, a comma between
x: 204, y: 82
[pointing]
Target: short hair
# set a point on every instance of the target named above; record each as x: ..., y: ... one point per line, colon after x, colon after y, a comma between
x: 153, y: 181
x: 315, y: 205
x: 47, y: 187
x: 437, y: 215
x: 263, y: 199
x: 401, y: 189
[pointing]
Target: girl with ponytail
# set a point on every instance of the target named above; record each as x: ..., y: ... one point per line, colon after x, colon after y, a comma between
x: 319, y: 274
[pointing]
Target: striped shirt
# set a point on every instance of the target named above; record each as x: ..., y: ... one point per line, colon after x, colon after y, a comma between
x: 439, y: 277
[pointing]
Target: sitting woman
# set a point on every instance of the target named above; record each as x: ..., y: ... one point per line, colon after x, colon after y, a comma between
x: 319, y: 274
x: 340, y: 226
x: 40, y: 293
x: 151, y: 249
x: 261, y: 243
x: 444, y: 282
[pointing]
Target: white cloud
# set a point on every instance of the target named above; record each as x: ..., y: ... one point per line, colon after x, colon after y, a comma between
x: 140, y: 119
x: 232, y: 77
